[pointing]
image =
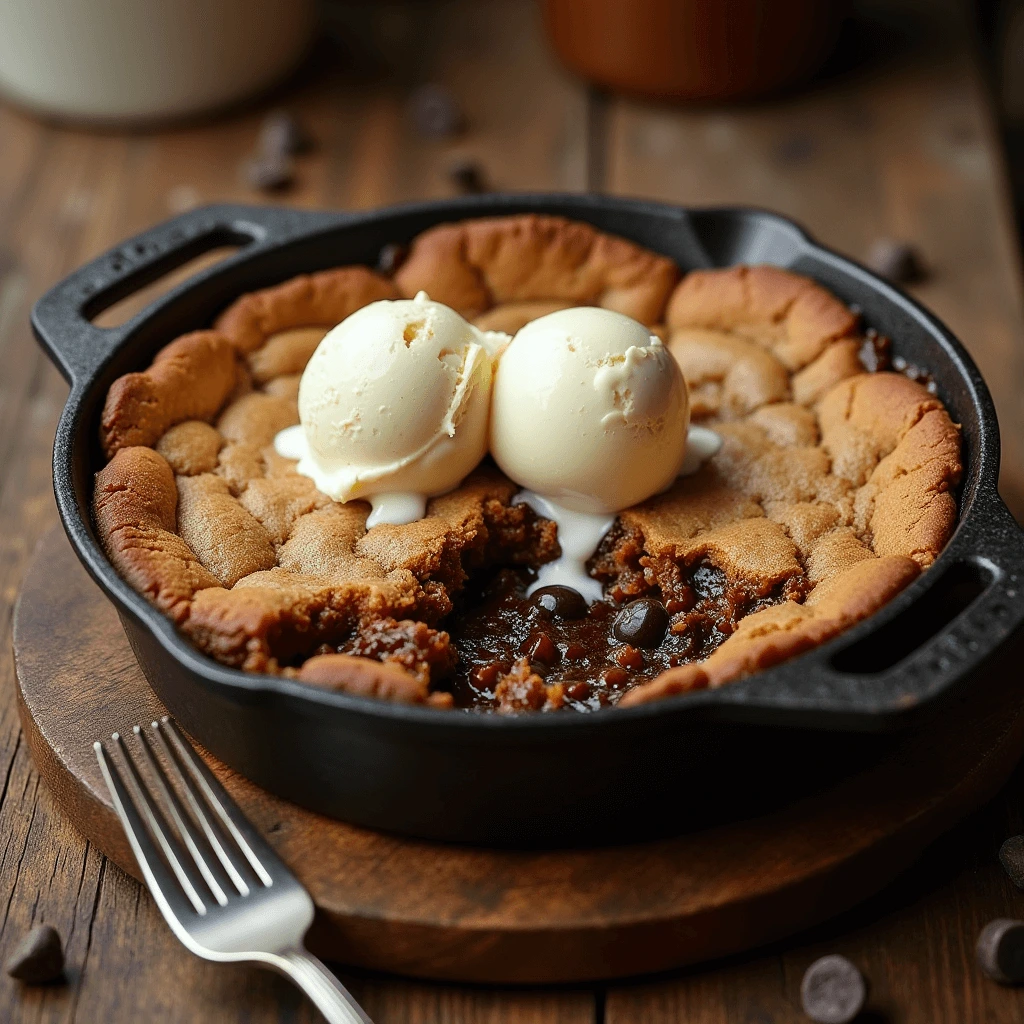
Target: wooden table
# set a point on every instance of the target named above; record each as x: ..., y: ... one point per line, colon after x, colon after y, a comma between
x: 903, y: 145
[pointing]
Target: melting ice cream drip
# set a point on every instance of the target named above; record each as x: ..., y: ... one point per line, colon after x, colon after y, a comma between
x: 290, y: 443
x: 391, y: 507
x: 701, y: 444
x: 395, y: 508
x: 580, y: 533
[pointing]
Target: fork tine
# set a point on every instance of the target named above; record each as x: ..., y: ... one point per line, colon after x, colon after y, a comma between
x: 208, y: 789
x: 173, y: 808
x: 146, y: 844
x: 200, y: 815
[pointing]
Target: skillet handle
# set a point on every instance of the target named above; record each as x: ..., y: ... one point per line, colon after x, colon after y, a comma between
x: 61, y: 319
x: 958, y: 624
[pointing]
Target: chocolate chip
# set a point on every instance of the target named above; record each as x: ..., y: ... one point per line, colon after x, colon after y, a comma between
x: 38, y: 958
x: 391, y: 257
x: 282, y: 134
x: 562, y: 602
x: 1000, y: 951
x: 641, y: 623
x: 833, y: 990
x: 467, y: 176
x: 1011, y: 856
x: 896, y: 261
x: 269, y: 173
x: 797, y: 148
x: 435, y: 112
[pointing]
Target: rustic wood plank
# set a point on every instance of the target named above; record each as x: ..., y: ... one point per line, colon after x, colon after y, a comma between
x: 904, y: 149
x: 526, y: 119
x: 914, y: 943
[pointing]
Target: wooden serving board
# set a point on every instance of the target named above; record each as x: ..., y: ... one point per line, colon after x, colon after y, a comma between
x: 470, y: 914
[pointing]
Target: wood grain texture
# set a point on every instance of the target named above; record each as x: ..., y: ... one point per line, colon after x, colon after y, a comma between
x: 904, y: 149
x: 914, y: 943
x: 488, y: 915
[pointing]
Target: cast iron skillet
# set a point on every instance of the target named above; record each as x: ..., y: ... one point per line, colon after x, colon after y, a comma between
x: 551, y: 778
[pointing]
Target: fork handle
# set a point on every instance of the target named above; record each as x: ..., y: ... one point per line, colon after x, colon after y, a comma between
x: 328, y: 994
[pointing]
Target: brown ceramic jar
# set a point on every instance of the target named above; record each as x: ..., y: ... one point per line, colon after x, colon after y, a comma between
x: 694, y: 49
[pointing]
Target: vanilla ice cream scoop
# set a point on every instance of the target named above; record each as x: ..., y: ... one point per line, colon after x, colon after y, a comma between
x: 590, y: 415
x: 589, y: 410
x: 394, y: 406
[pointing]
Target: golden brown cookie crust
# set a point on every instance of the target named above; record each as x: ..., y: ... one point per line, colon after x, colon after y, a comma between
x: 478, y: 264
x: 190, y: 379
x: 309, y: 300
x: 833, y: 489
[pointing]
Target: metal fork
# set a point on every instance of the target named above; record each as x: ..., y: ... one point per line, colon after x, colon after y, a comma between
x: 225, y: 893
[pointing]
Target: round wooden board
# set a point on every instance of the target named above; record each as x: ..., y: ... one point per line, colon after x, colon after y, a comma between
x: 512, y: 916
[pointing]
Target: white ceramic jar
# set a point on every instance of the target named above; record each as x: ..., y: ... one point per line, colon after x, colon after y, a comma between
x: 120, y: 61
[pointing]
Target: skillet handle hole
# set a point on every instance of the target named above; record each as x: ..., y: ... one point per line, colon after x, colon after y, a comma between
x: 142, y: 284
x: 953, y: 593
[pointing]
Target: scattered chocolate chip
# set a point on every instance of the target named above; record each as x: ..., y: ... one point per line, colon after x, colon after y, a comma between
x: 1000, y: 951
x: 562, y: 602
x: 833, y: 990
x: 641, y: 623
x: 269, y: 173
x: 1011, y: 856
x: 391, y: 257
x: 797, y: 148
x: 896, y: 261
x: 467, y: 176
x: 282, y: 134
x: 38, y: 958
x: 875, y: 351
x: 436, y: 112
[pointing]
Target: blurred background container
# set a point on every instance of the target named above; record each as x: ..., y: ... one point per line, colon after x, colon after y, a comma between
x: 129, y: 61
x: 694, y: 49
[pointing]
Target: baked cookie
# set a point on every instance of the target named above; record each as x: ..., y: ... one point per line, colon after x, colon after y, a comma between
x: 833, y: 489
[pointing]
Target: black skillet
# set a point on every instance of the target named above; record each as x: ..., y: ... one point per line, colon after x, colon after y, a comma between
x: 562, y: 777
